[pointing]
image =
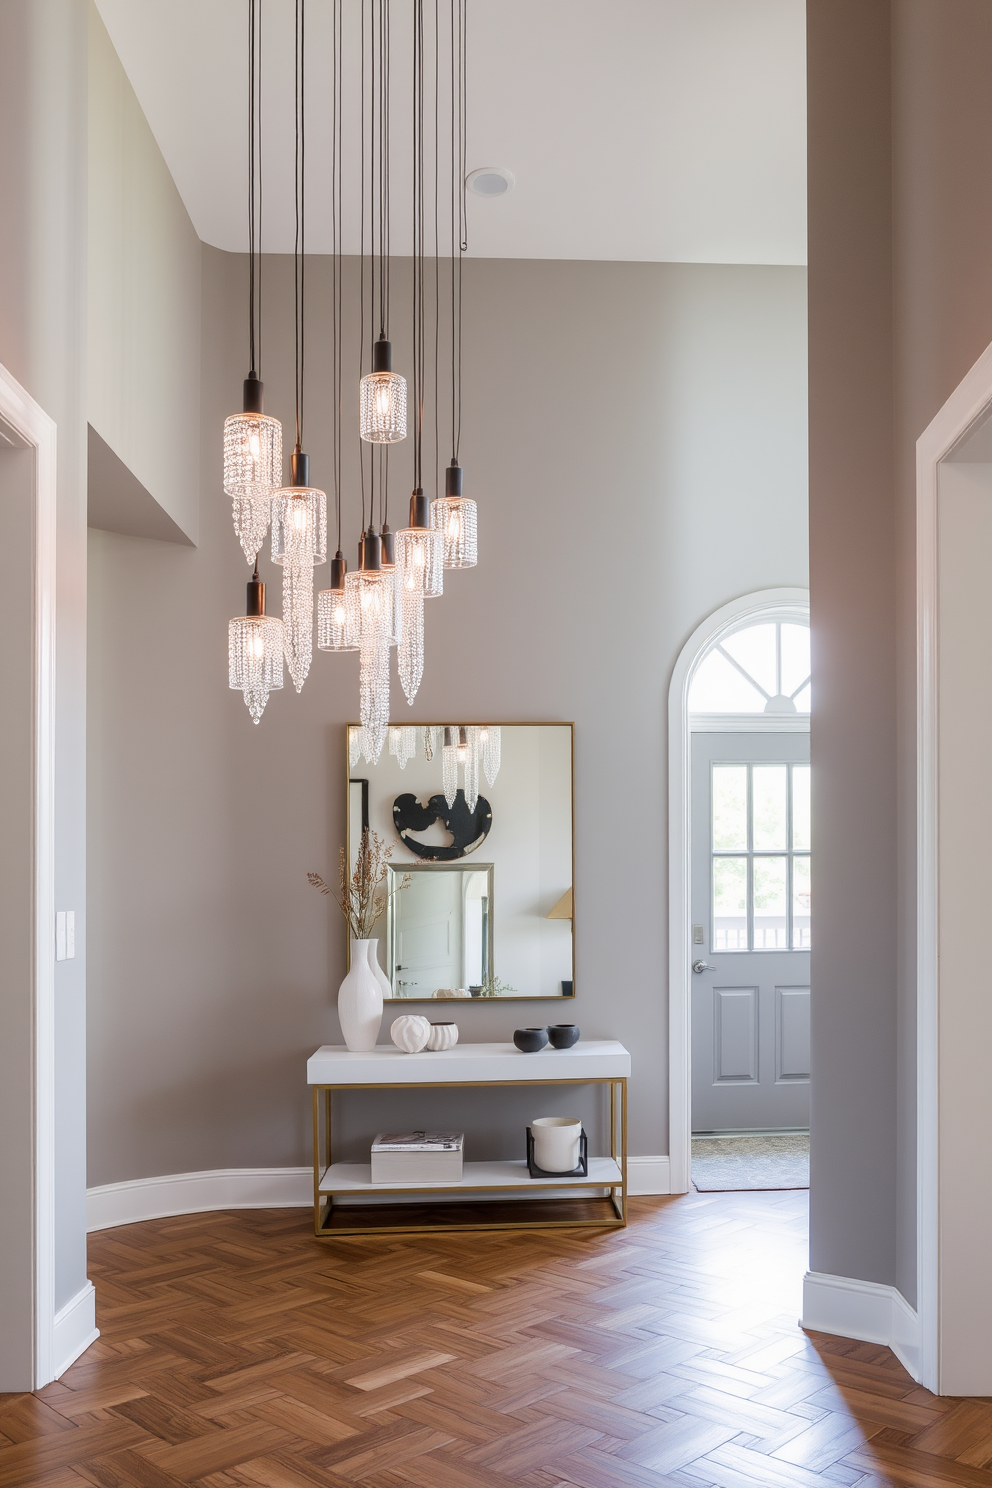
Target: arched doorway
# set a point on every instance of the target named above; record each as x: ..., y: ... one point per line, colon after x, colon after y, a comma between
x: 739, y: 672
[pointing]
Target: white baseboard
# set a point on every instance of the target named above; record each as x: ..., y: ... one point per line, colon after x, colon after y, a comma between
x: 196, y: 1193
x: 863, y: 1309
x: 649, y: 1175
x: 74, y: 1330
x: 261, y: 1188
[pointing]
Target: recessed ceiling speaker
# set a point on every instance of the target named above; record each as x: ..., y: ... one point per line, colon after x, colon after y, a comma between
x: 490, y: 180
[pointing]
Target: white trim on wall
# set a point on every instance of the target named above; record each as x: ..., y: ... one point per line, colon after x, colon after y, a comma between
x: 771, y: 602
x: 75, y: 1329
x: 197, y: 1193
x: 31, y: 424
x: 260, y: 1188
x: 968, y: 404
x: 849, y: 1308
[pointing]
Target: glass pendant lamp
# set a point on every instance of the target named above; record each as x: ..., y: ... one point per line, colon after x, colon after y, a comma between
x: 299, y: 541
x: 455, y: 517
x: 255, y: 650
x: 472, y: 769
x: 403, y: 745
x: 332, y: 611
x: 382, y: 401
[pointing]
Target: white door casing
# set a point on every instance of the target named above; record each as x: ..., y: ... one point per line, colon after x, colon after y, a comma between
x: 767, y: 603
x: 28, y: 434
x: 954, y: 818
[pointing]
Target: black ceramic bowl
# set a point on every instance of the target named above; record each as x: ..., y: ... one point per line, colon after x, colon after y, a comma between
x: 529, y: 1040
x: 563, y: 1035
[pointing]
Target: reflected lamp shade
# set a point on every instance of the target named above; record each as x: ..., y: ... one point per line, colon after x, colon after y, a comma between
x: 382, y: 400
x: 255, y: 645
x: 455, y: 517
x: 563, y: 909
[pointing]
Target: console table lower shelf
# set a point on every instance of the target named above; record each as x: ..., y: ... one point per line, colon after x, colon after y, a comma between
x: 489, y: 1195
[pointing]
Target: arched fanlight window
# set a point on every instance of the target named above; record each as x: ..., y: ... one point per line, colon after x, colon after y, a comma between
x: 762, y: 667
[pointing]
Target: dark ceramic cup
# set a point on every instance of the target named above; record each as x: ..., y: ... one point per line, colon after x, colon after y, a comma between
x: 529, y: 1040
x: 563, y: 1035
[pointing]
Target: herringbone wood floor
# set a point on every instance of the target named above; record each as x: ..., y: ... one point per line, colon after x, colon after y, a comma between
x: 238, y: 1352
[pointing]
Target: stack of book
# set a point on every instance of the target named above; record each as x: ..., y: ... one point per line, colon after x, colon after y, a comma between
x: 417, y: 1157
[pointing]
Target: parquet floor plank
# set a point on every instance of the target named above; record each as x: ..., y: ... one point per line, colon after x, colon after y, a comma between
x: 238, y: 1352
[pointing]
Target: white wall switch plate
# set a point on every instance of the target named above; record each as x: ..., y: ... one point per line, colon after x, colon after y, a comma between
x: 60, y: 935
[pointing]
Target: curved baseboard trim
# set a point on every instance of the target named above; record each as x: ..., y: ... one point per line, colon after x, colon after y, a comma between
x: 867, y: 1310
x: 260, y: 1188
x: 196, y: 1193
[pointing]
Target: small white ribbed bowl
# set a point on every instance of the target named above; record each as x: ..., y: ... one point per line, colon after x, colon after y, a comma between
x: 410, y: 1033
x: 443, y: 1036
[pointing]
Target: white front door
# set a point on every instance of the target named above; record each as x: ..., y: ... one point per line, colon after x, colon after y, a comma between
x: 750, y: 931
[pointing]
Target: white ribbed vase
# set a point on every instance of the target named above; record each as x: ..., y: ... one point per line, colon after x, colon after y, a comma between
x: 360, y: 1001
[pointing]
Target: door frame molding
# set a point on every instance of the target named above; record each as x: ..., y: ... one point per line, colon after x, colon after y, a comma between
x: 969, y: 404
x: 31, y: 426
x: 775, y: 604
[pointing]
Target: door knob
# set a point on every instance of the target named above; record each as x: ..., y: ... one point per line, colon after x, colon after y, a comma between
x: 700, y: 966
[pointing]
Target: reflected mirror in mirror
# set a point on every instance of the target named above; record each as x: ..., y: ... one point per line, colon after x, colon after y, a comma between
x: 479, y: 818
x: 440, y: 928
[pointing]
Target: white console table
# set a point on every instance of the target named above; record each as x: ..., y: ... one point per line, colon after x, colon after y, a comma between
x: 490, y: 1195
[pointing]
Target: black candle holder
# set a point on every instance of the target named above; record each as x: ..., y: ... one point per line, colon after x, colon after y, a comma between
x: 582, y: 1171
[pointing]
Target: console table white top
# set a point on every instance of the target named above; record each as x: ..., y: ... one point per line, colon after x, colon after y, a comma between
x: 589, y: 1059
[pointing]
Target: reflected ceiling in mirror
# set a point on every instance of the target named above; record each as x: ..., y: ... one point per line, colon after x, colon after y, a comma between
x: 479, y: 818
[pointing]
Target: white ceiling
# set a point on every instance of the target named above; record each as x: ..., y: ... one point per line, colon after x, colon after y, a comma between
x: 635, y: 129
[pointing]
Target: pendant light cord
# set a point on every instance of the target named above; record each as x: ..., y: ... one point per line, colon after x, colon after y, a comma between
x: 361, y: 261
x: 459, y: 206
x: 251, y: 187
x: 299, y: 245
x: 336, y: 235
x: 419, y: 365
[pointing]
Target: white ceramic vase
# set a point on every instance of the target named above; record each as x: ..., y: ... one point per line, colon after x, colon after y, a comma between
x: 377, y: 970
x: 410, y: 1033
x: 360, y: 1000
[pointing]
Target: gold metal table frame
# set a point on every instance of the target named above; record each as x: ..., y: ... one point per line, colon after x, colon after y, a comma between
x: 471, y: 1196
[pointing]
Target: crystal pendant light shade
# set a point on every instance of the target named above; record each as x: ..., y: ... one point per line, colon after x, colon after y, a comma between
x: 420, y: 561
x: 251, y: 522
x: 332, y: 622
x: 252, y: 455
x: 410, y: 655
x: 455, y: 517
x: 472, y: 769
x: 255, y: 651
x: 372, y: 615
x: 382, y: 401
x: 299, y: 524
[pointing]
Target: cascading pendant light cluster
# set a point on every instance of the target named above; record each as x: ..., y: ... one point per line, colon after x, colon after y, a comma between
x: 469, y: 752
x: 380, y: 605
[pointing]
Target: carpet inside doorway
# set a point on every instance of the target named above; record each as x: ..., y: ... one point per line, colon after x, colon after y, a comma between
x: 726, y: 1164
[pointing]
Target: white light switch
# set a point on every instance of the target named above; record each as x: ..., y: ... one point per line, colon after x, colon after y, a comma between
x: 65, y: 934
x: 697, y: 934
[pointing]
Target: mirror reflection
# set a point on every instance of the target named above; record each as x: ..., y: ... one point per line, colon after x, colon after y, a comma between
x: 479, y: 818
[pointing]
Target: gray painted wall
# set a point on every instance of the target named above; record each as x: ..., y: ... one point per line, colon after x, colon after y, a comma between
x: 635, y: 436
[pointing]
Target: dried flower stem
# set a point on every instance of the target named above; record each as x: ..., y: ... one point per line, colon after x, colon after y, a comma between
x: 359, y: 899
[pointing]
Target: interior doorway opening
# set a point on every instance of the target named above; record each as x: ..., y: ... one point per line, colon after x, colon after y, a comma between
x: 740, y: 898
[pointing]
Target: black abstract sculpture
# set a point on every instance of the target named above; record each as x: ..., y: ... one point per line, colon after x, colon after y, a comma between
x: 468, y: 829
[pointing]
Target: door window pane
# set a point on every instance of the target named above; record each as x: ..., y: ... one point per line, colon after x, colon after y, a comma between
x: 730, y: 904
x: 730, y: 808
x: 801, y: 923
x: 770, y: 818
x: 800, y: 808
x: 770, y: 905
